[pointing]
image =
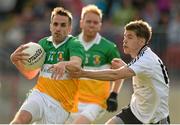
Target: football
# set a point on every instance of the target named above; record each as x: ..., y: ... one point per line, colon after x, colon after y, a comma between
x: 36, y: 58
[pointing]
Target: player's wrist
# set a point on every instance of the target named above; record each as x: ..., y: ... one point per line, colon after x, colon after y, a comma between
x: 113, y: 95
x: 84, y: 73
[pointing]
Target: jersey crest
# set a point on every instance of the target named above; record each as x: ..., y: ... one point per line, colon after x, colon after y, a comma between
x: 96, y: 59
x: 61, y: 56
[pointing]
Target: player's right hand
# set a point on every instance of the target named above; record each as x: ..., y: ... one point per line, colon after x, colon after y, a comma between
x: 18, y: 55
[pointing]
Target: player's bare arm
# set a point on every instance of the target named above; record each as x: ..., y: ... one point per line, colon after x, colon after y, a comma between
x: 18, y: 57
x: 107, y: 74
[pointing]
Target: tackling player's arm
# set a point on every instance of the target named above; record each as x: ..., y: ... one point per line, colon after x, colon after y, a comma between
x: 105, y: 75
x: 18, y: 58
x: 108, y: 74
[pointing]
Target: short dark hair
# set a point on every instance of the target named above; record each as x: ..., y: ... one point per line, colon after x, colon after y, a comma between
x: 61, y: 11
x: 141, y: 28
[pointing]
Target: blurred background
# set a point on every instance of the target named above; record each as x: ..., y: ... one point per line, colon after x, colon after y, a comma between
x: 22, y: 21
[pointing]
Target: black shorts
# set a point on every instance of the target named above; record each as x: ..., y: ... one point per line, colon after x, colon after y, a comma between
x: 128, y: 117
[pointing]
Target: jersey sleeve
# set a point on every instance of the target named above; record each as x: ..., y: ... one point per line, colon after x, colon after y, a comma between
x: 42, y: 42
x: 113, y: 53
x: 76, y: 49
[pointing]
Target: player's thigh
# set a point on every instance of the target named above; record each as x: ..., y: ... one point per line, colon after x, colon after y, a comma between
x: 91, y: 111
x: 44, y: 109
x: 34, y: 105
x: 30, y: 110
x: 54, y: 113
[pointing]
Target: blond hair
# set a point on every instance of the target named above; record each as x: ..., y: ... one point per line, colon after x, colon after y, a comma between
x: 91, y: 8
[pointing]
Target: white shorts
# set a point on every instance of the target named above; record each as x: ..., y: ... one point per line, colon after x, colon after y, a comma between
x: 44, y: 109
x: 91, y: 111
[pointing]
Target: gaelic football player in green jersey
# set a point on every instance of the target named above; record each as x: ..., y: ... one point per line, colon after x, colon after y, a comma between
x: 55, y: 94
x: 95, y: 96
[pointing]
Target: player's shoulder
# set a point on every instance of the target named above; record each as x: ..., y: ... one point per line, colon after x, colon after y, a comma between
x: 45, y: 39
x: 107, y: 42
x: 73, y: 39
x: 149, y: 55
x: 143, y: 58
x: 46, y: 42
x: 73, y: 42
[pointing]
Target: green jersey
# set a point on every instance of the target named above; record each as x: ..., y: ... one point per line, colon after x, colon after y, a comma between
x: 64, y: 90
x: 63, y: 51
x: 99, y: 54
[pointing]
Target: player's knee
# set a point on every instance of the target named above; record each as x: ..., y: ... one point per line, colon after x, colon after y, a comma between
x: 22, y: 117
x: 16, y: 121
x: 115, y: 120
x: 20, y: 121
x: 81, y: 120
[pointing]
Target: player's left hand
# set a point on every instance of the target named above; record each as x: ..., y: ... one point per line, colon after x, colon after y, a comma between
x: 57, y: 70
x: 112, y: 102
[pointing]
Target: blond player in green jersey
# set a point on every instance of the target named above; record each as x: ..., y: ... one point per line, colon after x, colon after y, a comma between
x: 55, y: 95
x: 95, y: 96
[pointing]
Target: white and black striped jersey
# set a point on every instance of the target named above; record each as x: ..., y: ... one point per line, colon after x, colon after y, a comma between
x: 149, y: 102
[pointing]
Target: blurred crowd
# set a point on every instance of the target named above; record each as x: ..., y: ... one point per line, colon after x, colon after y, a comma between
x: 22, y: 21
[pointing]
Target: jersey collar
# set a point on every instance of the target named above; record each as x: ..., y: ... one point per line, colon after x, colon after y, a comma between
x: 58, y: 45
x: 88, y: 45
x: 144, y: 48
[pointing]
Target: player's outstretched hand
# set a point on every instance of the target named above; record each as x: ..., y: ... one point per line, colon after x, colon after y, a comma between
x: 112, y: 102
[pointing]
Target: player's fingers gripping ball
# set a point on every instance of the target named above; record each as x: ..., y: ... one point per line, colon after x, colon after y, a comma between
x: 36, y: 56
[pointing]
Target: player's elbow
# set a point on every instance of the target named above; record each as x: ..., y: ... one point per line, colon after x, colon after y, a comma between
x: 29, y: 77
x: 31, y: 74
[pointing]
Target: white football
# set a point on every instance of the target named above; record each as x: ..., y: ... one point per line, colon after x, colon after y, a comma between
x: 36, y: 58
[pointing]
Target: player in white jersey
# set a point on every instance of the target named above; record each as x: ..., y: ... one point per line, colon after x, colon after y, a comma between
x: 149, y: 102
